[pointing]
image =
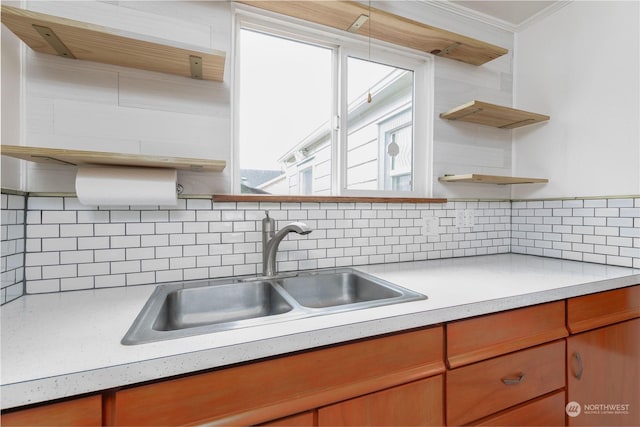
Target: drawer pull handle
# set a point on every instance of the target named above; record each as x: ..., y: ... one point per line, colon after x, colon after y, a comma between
x: 580, y: 369
x: 513, y: 381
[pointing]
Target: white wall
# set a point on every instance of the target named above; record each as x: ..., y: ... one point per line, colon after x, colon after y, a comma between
x: 91, y: 106
x: 85, y: 105
x: 11, y: 107
x: 580, y: 66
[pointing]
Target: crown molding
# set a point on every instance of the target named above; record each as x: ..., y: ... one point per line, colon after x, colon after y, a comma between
x: 493, y: 21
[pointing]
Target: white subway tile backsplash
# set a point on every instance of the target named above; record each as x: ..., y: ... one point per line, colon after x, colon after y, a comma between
x: 45, y: 203
x: 110, y: 281
x: 42, y: 286
x: 128, y: 246
x: 630, y: 212
x: 140, y: 278
x: 76, y: 283
x: 109, y: 255
x: 59, y: 217
x: 93, y: 243
x: 592, y: 230
x: 76, y: 230
x: 51, y: 230
x: 60, y: 244
x: 139, y: 228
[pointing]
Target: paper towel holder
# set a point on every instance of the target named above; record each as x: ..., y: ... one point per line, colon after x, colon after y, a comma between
x: 179, y: 189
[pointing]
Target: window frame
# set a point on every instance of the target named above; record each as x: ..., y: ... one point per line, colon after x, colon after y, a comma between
x: 345, y: 45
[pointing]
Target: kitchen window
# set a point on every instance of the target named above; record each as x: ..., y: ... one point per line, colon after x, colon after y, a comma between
x: 321, y: 113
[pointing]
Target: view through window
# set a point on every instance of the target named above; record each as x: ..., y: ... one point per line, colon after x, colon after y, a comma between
x: 289, y: 121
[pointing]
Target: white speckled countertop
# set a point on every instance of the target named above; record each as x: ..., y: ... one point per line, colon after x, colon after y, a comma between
x: 63, y: 344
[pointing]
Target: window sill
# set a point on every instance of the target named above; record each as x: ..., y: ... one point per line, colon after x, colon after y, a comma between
x: 320, y: 199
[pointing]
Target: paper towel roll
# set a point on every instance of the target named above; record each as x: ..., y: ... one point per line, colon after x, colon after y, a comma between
x: 109, y: 186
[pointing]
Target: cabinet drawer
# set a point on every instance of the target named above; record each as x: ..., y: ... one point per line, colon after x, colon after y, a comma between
x: 547, y: 411
x: 602, y: 309
x: 270, y: 389
x: 484, y: 388
x: 480, y: 338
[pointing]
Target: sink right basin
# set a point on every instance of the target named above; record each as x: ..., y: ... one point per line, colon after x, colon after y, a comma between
x: 339, y: 288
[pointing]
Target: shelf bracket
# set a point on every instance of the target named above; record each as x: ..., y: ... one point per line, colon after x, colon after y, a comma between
x: 196, y: 67
x: 447, y: 50
x: 52, y: 39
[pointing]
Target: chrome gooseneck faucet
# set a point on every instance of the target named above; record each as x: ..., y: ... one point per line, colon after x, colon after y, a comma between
x: 271, y: 240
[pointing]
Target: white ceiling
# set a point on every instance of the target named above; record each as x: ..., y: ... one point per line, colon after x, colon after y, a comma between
x: 512, y: 15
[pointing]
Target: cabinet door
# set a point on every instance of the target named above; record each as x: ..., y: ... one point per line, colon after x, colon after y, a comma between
x: 85, y: 411
x: 603, y: 371
x: 415, y: 404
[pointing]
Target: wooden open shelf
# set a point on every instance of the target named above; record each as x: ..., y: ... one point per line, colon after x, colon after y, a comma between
x: 498, y: 116
x: 82, y: 158
x: 387, y: 27
x: 491, y: 179
x: 73, y: 39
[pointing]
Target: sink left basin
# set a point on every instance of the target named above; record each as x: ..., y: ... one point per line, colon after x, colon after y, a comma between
x: 186, y: 309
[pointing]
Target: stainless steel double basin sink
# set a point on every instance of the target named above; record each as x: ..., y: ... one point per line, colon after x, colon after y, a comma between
x: 183, y: 309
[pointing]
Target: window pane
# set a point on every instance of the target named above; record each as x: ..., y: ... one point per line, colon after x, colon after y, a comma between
x: 380, y: 131
x: 284, y: 115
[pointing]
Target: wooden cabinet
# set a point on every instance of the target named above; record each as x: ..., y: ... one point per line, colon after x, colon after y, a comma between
x: 416, y: 404
x: 275, y: 388
x: 86, y: 411
x: 503, y: 360
x: 603, y: 359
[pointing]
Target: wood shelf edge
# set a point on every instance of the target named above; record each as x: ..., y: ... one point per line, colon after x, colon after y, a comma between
x: 81, y: 157
x: 111, y: 46
x: 474, y: 178
x: 320, y: 199
x: 387, y: 27
x: 485, y: 113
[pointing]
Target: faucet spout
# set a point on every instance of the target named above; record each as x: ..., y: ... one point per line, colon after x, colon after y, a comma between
x: 272, y: 241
